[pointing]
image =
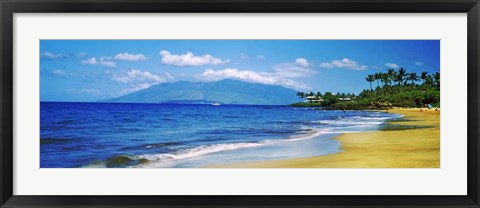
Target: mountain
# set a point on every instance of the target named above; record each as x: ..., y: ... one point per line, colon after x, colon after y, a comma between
x: 226, y: 91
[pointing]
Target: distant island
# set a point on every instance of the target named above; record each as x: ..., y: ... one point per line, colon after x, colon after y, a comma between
x: 393, y: 89
x: 227, y: 91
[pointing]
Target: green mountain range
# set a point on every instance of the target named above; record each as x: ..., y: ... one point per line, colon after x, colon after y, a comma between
x: 225, y: 91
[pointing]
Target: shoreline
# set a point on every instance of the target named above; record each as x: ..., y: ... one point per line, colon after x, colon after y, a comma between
x: 401, y: 148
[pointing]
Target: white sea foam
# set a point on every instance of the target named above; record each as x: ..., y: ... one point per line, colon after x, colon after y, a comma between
x: 197, y: 151
x: 349, y: 122
x: 166, y: 159
x: 357, y: 121
x: 341, y: 125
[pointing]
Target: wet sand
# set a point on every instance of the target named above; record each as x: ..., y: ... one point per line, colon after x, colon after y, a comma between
x: 392, y: 148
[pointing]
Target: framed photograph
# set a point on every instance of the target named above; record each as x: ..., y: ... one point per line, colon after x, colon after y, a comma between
x: 239, y: 104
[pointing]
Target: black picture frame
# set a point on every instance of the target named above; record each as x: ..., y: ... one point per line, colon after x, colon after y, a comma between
x: 9, y: 7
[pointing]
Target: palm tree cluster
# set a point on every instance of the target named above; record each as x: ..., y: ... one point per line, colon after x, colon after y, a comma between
x: 324, y: 100
x: 319, y: 95
x: 402, y: 89
x: 393, y: 88
x: 393, y: 82
x: 307, y: 94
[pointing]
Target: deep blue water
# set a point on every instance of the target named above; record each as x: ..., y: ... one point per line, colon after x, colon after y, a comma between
x: 174, y: 135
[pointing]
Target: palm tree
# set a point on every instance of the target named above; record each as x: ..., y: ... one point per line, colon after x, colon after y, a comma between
x: 391, y: 75
x: 398, y: 78
x: 429, y: 81
x: 413, y: 77
x: 436, y: 80
x: 301, y: 94
x: 385, y: 80
x: 424, y: 77
x: 401, y: 74
x: 377, y: 76
x: 370, y: 78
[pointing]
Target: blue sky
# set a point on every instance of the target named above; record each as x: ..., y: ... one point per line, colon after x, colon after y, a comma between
x: 90, y: 70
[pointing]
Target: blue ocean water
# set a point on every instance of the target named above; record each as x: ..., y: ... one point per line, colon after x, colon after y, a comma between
x: 182, y: 135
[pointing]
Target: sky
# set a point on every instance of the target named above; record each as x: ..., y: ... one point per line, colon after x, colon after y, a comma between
x: 92, y: 70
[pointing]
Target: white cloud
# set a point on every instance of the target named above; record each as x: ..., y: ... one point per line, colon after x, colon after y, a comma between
x: 140, y: 79
x: 130, y: 57
x: 292, y: 70
x: 105, y: 61
x: 251, y: 76
x: 170, y: 76
x: 189, y: 59
x: 215, y: 75
x: 418, y: 63
x: 58, y: 72
x: 243, y: 56
x: 81, y: 55
x: 89, y: 61
x: 260, y: 57
x: 300, y: 68
x: 137, y: 75
x: 344, y: 63
x: 392, y: 65
x: 51, y: 55
x: 302, y: 62
x: 85, y: 91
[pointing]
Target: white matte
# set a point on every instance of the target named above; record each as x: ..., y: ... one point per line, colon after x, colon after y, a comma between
x: 450, y: 179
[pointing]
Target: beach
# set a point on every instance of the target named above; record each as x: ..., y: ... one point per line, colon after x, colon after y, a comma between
x: 416, y: 146
x: 183, y: 136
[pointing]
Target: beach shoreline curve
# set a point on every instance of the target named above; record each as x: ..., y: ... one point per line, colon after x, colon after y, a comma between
x: 401, y: 148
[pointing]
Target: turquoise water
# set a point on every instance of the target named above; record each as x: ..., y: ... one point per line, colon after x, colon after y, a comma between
x: 119, y: 135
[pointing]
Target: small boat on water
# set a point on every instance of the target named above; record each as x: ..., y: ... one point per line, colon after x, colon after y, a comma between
x: 216, y: 103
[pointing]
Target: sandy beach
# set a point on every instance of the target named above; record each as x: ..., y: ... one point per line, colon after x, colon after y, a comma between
x: 405, y: 148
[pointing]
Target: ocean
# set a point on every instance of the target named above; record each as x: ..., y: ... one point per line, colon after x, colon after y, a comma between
x: 124, y: 135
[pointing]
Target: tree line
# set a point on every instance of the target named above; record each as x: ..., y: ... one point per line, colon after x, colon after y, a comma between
x: 391, y: 88
x: 396, y: 81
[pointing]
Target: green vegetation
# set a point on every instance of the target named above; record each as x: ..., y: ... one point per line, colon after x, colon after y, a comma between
x: 306, y: 104
x: 393, y: 89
